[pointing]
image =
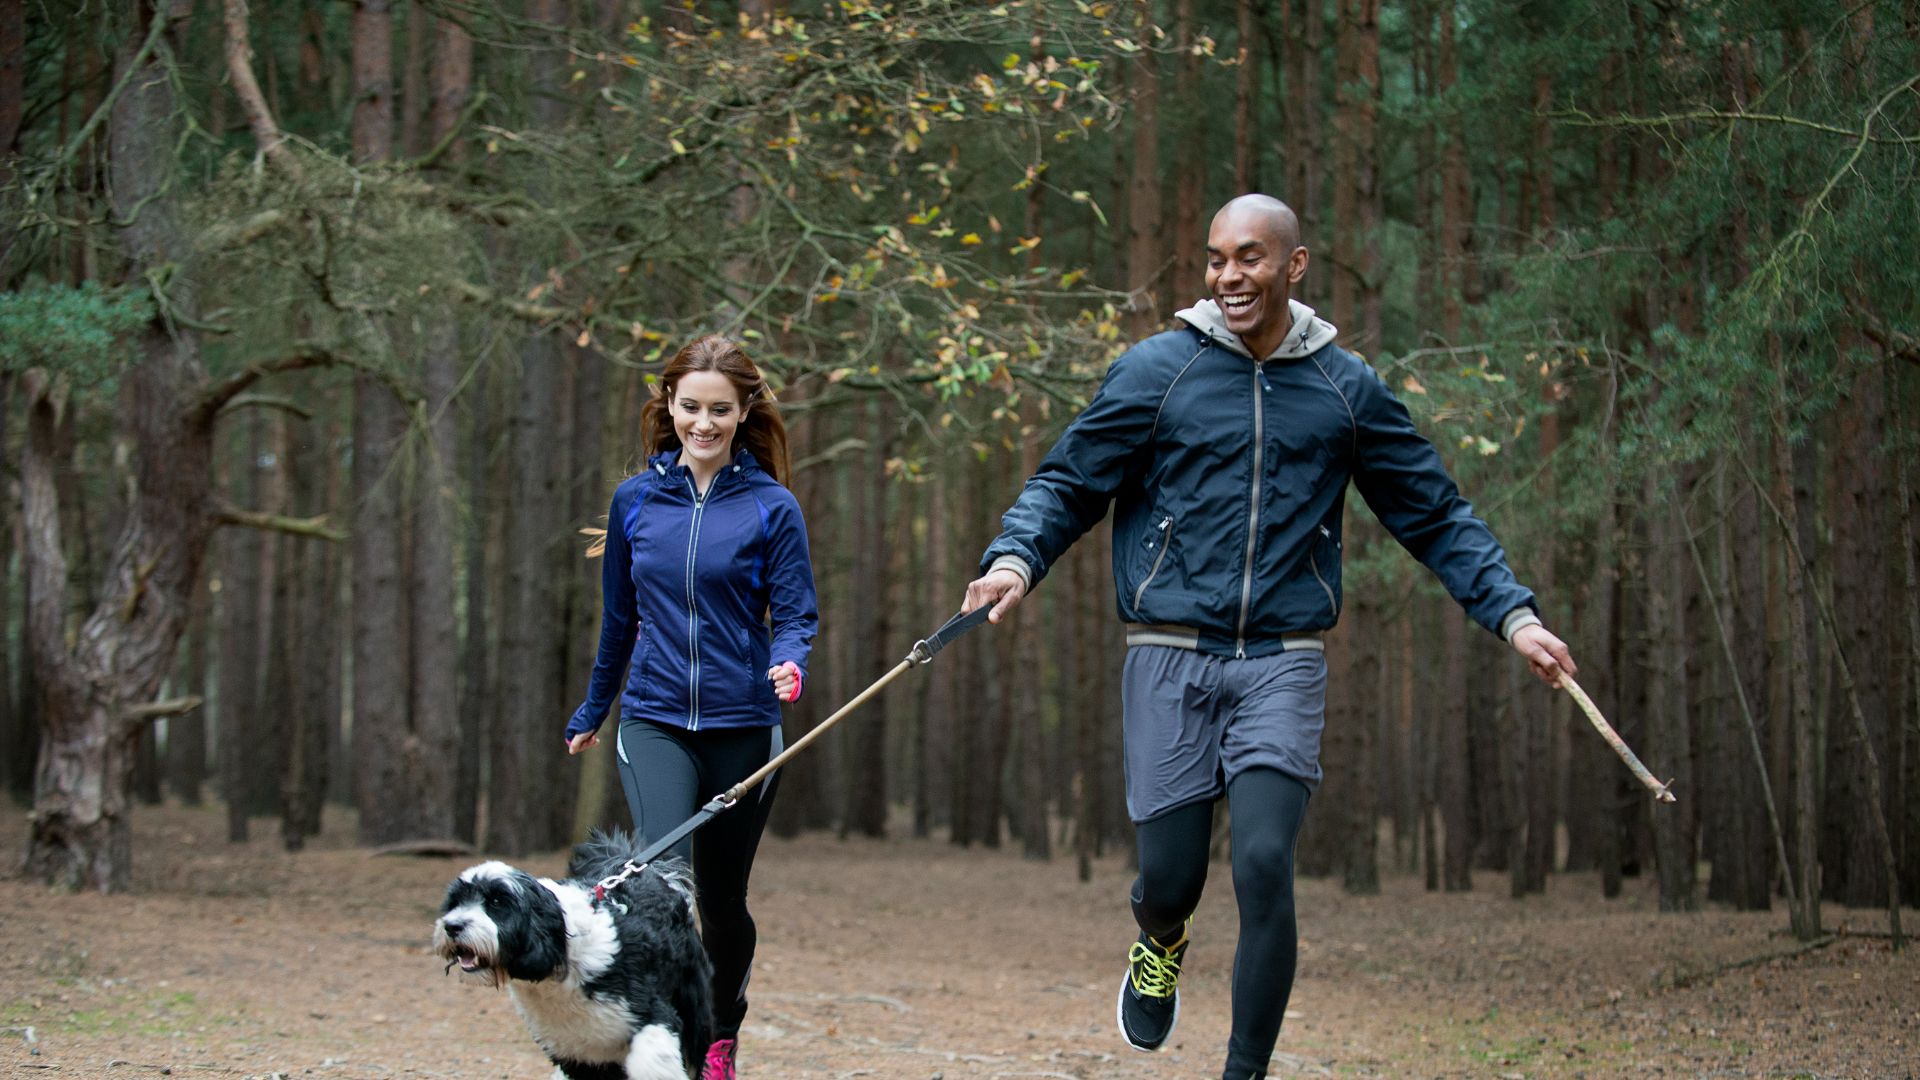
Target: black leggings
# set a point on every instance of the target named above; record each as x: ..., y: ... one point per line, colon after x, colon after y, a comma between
x: 669, y: 773
x: 1266, y: 807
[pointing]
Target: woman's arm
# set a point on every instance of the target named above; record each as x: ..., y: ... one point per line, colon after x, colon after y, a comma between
x: 618, y: 623
x: 791, y: 600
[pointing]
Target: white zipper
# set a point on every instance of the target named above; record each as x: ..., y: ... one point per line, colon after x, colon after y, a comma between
x: 1166, y: 541
x: 1253, y: 511
x: 693, y: 608
x: 1314, y: 563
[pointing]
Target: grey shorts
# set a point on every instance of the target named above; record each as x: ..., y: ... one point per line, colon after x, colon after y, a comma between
x: 1194, y: 722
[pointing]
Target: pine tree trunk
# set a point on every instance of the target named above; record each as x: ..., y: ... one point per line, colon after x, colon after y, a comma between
x: 1852, y: 870
x: 1246, y: 145
x: 1357, y: 81
x: 1305, y: 162
x: 1030, y: 641
x: 1806, y: 918
x: 933, y: 791
x: 1906, y: 725
x: 186, y: 754
x: 241, y: 654
x: 1185, y: 280
x: 1456, y: 777
x: 866, y: 793
x: 1360, y: 859
x: 1145, y: 244
x: 1669, y: 745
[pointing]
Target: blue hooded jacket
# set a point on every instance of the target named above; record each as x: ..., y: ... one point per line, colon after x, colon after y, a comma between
x: 688, y: 584
x: 1228, y: 478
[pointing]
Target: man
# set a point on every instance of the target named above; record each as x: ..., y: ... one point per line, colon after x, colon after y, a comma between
x: 1225, y: 447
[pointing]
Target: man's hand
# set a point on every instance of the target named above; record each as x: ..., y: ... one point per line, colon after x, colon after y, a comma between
x: 1546, y: 654
x: 1001, y: 588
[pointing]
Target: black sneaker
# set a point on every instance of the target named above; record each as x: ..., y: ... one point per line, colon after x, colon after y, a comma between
x: 1150, y: 994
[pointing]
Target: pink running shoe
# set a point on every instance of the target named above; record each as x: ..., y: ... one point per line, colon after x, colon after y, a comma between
x: 719, y: 1064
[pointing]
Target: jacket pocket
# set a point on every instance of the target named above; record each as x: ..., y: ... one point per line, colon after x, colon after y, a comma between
x: 638, y: 678
x: 1327, y: 568
x: 1158, y: 541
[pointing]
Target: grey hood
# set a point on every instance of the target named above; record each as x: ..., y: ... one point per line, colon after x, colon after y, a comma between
x: 1309, y: 333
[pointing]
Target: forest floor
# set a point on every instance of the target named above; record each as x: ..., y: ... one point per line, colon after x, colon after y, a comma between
x: 913, y: 960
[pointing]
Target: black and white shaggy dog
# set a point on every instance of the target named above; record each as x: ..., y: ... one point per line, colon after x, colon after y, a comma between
x: 613, y: 989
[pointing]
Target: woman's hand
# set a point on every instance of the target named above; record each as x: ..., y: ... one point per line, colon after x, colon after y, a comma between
x: 583, y: 741
x: 786, y: 679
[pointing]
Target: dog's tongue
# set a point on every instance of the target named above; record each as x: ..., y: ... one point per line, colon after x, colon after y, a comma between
x: 469, y: 961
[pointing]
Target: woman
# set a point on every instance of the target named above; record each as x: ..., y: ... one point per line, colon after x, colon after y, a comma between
x: 702, y: 547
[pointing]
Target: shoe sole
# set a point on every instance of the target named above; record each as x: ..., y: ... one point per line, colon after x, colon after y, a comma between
x: 1120, y: 1019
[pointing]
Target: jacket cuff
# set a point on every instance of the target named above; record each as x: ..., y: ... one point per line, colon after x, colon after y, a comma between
x: 1016, y: 564
x: 1516, y: 619
x: 581, y: 723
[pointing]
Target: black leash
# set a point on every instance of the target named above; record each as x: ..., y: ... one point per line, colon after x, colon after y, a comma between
x: 922, y: 652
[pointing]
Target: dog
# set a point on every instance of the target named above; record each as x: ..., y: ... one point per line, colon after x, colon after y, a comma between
x: 615, y: 987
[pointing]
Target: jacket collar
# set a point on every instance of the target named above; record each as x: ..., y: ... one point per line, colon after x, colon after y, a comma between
x: 667, y: 465
x: 1308, y: 334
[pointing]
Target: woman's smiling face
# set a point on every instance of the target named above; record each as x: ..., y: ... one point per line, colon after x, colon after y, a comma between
x: 706, y: 412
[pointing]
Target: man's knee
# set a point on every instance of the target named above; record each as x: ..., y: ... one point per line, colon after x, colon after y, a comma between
x: 1264, y: 862
x: 1168, y: 890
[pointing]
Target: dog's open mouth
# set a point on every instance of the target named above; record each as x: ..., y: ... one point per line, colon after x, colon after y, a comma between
x: 466, y: 958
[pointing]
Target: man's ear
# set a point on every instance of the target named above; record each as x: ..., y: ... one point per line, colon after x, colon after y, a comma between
x: 1297, y: 265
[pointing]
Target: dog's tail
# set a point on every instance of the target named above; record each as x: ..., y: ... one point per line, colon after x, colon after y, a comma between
x: 602, y: 854
x: 606, y: 852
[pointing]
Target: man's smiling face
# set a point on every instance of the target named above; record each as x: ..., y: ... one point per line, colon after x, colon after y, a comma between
x: 1253, y: 259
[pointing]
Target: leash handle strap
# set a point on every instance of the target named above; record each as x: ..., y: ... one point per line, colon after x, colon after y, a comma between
x: 705, y: 814
x: 924, y: 649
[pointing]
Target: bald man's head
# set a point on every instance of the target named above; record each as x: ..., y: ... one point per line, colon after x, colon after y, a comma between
x: 1276, y: 216
x: 1254, y: 259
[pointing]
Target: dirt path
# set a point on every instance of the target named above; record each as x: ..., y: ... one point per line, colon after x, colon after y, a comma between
x: 909, y: 960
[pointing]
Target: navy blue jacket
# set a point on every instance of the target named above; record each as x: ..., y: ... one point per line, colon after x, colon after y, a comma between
x: 687, y: 585
x: 1228, y: 478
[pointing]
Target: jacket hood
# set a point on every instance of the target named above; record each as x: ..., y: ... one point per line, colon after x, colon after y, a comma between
x: 1309, y: 333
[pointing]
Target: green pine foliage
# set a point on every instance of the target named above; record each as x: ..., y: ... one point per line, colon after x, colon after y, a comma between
x: 78, y: 332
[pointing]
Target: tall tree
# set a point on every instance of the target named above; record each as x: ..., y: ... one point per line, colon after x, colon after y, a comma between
x: 100, y: 689
x: 388, y: 765
x: 1146, y: 247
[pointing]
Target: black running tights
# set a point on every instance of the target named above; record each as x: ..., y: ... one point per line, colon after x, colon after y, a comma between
x: 668, y: 773
x: 1266, y: 809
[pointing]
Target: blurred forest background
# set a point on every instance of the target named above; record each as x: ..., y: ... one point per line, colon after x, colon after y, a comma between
x: 327, y: 324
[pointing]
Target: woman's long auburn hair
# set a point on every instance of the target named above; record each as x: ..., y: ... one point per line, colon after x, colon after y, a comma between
x: 761, y: 430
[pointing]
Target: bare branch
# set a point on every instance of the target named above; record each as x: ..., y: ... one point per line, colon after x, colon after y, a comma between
x: 217, y: 394
x: 1896, y: 345
x: 241, y: 233
x: 1581, y: 118
x: 315, y: 527
x: 538, y: 313
x: 155, y: 710
x: 266, y: 133
x: 439, y: 149
x: 263, y: 401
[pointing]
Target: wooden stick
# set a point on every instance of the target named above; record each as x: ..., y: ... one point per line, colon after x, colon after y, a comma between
x: 1660, y: 791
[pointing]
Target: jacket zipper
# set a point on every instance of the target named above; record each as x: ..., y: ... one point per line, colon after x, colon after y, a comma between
x: 1253, y: 510
x: 1166, y: 541
x: 693, y: 608
x: 1315, y: 564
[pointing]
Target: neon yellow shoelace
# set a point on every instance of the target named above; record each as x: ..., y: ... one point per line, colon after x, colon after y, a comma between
x: 1154, y: 974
